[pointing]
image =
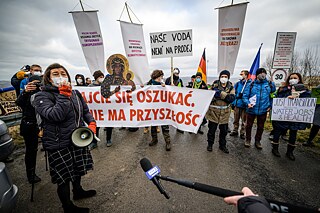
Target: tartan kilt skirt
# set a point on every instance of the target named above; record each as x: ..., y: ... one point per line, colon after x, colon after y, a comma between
x: 67, y: 163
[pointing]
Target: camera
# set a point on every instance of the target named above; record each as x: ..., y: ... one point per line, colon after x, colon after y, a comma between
x: 37, y: 84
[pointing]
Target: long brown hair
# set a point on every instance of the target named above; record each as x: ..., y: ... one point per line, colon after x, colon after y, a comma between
x: 294, y: 73
x: 46, y: 75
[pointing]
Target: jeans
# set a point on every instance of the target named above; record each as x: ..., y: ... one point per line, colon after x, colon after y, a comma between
x: 260, y: 126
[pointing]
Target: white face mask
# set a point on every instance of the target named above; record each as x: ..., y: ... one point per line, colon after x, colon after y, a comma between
x: 293, y: 81
x: 37, y: 73
x: 223, y: 80
x: 100, y: 80
x: 79, y: 80
x: 58, y: 80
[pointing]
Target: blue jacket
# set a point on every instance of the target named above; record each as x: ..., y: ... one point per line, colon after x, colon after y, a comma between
x: 262, y: 90
x: 23, y: 84
x: 284, y: 92
x: 238, y: 102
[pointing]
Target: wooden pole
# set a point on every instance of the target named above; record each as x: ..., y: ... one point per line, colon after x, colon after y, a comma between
x: 128, y: 12
x: 172, y: 71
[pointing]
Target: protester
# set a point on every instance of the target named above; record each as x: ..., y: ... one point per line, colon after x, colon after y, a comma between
x: 62, y: 110
x: 177, y: 81
x: 115, y: 79
x: 294, y: 89
x: 88, y: 81
x: 190, y: 83
x: 239, y: 105
x: 18, y: 77
x: 29, y: 128
x: 219, y: 110
x: 157, y: 79
x: 315, y: 127
x: 35, y: 69
x: 257, y: 98
x: 80, y: 80
x: 98, y: 79
x: 249, y: 202
x: 200, y: 84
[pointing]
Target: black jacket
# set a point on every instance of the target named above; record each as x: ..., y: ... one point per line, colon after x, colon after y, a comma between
x: 28, y: 111
x: 60, y: 116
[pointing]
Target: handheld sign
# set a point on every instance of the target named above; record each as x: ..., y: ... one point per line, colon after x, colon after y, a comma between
x: 171, y: 44
x: 153, y: 172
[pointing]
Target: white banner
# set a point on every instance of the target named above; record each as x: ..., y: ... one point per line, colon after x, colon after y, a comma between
x: 171, y: 44
x: 183, y: 108
x: 295, y: 110
x: 90, y: 37
x: 231, y: 20
x: 133, y: 41
x: 283, y: 50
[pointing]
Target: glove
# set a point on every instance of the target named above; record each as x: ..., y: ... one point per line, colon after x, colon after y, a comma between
x: 93, y: 127
x: 217, y: 94
x: 65, y: 90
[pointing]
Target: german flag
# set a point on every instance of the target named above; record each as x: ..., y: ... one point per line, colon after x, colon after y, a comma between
x: 203, y: 66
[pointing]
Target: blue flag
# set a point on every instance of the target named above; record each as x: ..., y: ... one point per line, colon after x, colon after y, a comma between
x: 255, y: 65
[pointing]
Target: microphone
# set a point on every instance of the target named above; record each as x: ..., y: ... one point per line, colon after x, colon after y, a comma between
x: 152, y: 174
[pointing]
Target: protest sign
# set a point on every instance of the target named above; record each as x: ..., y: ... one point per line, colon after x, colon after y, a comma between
x: 283, y: 50
x: 279, y: 76
x: 183, y: 108
x: 294, y: 110
x: 171, y: 44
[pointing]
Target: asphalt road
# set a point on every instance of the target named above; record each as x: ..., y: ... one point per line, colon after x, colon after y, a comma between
x: 123, y: 187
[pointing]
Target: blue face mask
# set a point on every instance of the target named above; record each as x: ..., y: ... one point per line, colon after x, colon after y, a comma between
x: 198, y: 80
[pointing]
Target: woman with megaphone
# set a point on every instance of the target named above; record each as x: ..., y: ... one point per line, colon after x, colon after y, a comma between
x: 63, y: 110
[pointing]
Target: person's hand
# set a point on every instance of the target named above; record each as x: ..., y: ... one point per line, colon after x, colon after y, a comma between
x: 30, y: 87
x: 65, y: 89
x: 250, y: 105
x: 291, y: 97
x: 93, y: 127
x: 233, y: 200
x: 269, y: 108
x: 117, y: 89
x: 163, y: 85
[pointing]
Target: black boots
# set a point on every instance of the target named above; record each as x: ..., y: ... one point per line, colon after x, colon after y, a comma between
x: 71, y: 208
x: 275, y: 150
x: 289, y: 153
x: 80, y: 193
x: 32, y: 177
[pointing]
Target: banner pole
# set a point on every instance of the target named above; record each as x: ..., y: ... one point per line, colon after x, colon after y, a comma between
x: 128, y: 12
x: 172, y: 71
x: 81, y: 5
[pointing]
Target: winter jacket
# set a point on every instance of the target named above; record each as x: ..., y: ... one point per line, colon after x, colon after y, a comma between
x: 238, y: 102
x: 284, y: 92
x: 177, y: 82
x: 202, y: 85
x: 15, y: 82
x: 219, y: 110
x: 262, y: 90
x: 83, y: 80
x: 60, y: 116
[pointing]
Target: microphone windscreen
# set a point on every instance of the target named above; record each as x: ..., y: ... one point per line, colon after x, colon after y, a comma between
x: 145, y: 164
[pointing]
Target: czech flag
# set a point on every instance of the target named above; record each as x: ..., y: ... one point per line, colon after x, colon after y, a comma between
x: 255, y: 65
x: 203, y: 66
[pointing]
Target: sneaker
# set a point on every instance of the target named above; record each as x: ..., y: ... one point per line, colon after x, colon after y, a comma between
x: 209, y: 148
x: 158, y: 129
x: 247, y: 144
x: 200, y: 132
x: 145, y: 130
x: 284, y: 137
x: 224, y: 149
x: 109, y: 143
x: 153, y: 142
x: 234, y: 133
x: 257, y: 144
x: 242, y: 136
x: 92, y: 146
x: 168, y: 146
x: 310, y: 144
x: 80, y: 194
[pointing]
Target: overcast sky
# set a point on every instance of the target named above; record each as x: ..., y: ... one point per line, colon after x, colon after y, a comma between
x: 42, y: 32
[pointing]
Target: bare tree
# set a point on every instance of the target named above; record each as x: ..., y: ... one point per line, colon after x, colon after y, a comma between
x: 267, y: 64
x: 310, y: 66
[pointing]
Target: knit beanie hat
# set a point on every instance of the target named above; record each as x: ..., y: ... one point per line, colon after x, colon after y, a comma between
x: 20, y: 75
x: 97, y: 74
x: 225, y: 72
x: 261, y: 70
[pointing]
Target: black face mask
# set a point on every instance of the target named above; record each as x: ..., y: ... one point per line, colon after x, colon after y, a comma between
x: 175, y: 77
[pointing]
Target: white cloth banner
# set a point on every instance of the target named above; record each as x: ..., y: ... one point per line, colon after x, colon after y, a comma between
x: 283, y: 50
x: 171, y: 44
x: 183, y: 108
x: 133, y: 41
x: 295, y: 110
x: 231, y: 20
x: 90, y: 37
